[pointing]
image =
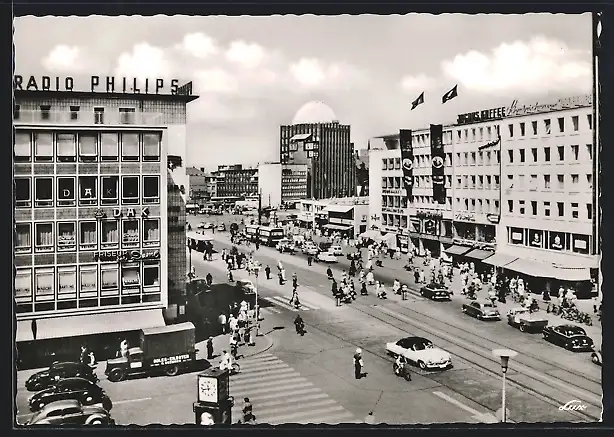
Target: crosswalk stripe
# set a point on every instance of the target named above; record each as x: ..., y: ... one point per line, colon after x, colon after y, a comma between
x: 268, y: 382
x: 272, y: 412
x: 281, y: 304
x: 281, y: 301
x: 269, y: 389
x: 251, y: 375
x: 294, y: 417
x: 281, y: 394
x: 264, y: 366
x: 262, y: 360
x: 290, y: 374
x: 303, y: 398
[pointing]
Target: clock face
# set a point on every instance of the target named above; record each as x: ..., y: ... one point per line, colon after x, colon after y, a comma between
x: 207, y: 389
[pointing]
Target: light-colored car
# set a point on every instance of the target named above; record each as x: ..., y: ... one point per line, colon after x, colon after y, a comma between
x: 221, y: 227
x: 202, y: 225
x: 327, y: 257
x: 309, y: 248
x: 208, y: 225
x: 482, y: 310
x: 336, y: 250
x: 420, y: 352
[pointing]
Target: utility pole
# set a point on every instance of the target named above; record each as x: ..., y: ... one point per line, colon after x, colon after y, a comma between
x: 260, y: 207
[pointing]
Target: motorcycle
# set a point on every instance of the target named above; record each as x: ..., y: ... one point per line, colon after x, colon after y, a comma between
x: 402, y: 371
x: 379, y: 263
x: 300, y: 328
x: 408, y: 267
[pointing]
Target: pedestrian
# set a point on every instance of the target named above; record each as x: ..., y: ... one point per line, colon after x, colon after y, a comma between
x: 358, y: 364
x: 281, y: 281
x: 267, y: 271
x: 84, y: 354
x: 222, y: 320
x: 209, y: 279
x: 248, y: 415
x: 210, y: 348
x: 309, y: 260
x: 234, y: 347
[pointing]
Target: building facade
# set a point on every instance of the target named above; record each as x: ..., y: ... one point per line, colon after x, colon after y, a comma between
x: 92, y: 231
x: 347, y: 216
x: 236, y: 181
x: 293, y: 182
x: 202, y: 186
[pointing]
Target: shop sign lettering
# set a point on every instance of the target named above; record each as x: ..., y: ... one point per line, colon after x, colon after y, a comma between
x: 126, y: 255
x: 467, y: 217
x: 170, y: 360
x: 390, y: 191
x: 393, y: 210
x: 108, y: 84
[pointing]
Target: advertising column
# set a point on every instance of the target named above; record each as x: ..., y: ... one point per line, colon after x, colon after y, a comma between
x: 438, y: 161
x: 407, y: 160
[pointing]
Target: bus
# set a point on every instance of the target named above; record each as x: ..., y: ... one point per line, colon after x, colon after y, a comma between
x: 270, y: 236
x: 251, y: 232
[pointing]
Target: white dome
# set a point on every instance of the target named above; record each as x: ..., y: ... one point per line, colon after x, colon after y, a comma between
x: 314, y: 112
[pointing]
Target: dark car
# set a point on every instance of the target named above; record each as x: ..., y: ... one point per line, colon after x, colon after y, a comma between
x: 79, y: 389
x: 46, y: 378
x: 71, y: 412
x: 597, y: 358
x: 482, y: 310
x: 570, y: 337
x: 435, y: 292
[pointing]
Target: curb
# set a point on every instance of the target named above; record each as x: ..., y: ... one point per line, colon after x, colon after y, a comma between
x: 267, y: 347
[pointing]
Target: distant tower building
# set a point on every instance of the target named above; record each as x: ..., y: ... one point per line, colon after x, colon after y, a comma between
x: 317, y: 139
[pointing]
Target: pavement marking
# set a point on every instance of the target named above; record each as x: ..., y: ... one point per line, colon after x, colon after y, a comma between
x: 476, y: 349
x: 282, y: 302
x: 482, y: 417
x: 127, y: 401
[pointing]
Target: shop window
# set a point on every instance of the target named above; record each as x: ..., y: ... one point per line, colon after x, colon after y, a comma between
x: 23, y: 238
x: 23, y: 147
x: 66, y: 192
x: 130, y: 190
x: 151, y: 232
x: 151, y: 147
x: 88, y: 147
x: 66, y: 147
x: 23, y: 285
x: 88, y: 286
x: 45, y: 112
x: 109, y: 146
x: 67, y: 236
x: 109, y: 234
x: 44, y: 284
x: 547, y: 209
x: 87, y: 190
x: 109, y: 275
x: 110, y: 189
x: 130, y: 233
x: 43, y: 147
x: 23, y: 195
x: 151, y: 189
x: 43, y: 188
x: 131, y: 278
x: 43, y: 237
x: 67, y: 283
x: 130, y: 146
x: 151, y: 274
x: 87, y: 236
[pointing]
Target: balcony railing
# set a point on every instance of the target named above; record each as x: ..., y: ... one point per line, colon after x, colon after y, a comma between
x: 81, y: 118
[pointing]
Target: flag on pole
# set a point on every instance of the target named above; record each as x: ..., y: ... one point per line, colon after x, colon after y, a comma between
x: 418, y: 101
x: 450, y: 94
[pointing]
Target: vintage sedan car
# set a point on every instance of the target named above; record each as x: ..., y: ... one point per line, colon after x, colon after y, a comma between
x: 354, y: 256
x: 435, y: 292
x: 60, y: 370
x: 79, y: 389
x: 246, y: 286
x: 482, y: 310
x: 201, y: 225
x: 524, y: 320
x: 309, y: 248
x: 570, y: 337
x: 336, y: 250
x: 596, y: 358
x: 285, y: 246
x: 208, y: 225
x: 71, y: 412
x: 420, y: 352
x: 221, y: 227
x: 327, y: 257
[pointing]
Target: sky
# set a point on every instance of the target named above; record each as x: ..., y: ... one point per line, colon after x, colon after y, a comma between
x: 253, y: 73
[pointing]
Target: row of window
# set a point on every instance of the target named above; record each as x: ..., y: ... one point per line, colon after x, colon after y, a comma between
x: 578, y: 184
x: 419, y: 161
x: 546, y: 126
x: 91, y: 235
x: 480, y: 182
x: 424, y: 140
x: 429, y: 201
x: 394, y: 201
x: 550, y: 240
x: 492, y: 132
x: 480, y: 206
x: 550, y: 209
x: 92, y: 191
x: 127, y: 115
x: 85, y: 282
x: 546, y: 156
x: 86, y: 146
x: 483, y: 158
x: 293, y: 180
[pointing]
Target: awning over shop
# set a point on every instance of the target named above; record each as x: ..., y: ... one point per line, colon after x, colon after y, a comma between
x: 545, y: 270
x: 457, y: 250
x: 370, y: 234
x: 87, y: 324
x: 300, y: 137
x: 478, y: 254
x: 199, y: 237
x: 500, y: 259
x: 338, y: 208
x: 338, y: 227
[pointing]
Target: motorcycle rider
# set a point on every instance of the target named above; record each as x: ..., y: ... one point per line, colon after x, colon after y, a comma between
x: 399, y: 363
x: 329, y: 273
x: 226, y: 363
x: 299, y: 324
x: 363, y: 289
x: 396, y: 287
x: 381, y: 291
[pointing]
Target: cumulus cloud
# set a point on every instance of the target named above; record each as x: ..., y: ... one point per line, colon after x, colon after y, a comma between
x: 535, y: 66
x: 417, y: 84
x: 215, y: 80
x: 144, y: 61
x: 198, y: 45
x: 246, y: 54
x: 65, y: 59
x: 314, y: 73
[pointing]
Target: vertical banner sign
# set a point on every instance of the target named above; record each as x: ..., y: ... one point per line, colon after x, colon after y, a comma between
x: 438, y: 159
x: 407, y: 161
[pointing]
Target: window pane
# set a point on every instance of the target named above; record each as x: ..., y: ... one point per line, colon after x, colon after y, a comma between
x: 151, y: 275
x: 110, y: 233
x: 151, y: 145
x: 88, y: 144
x: 130, y: 190
x: 131, y: 277
x: 44, y: 144
x: 89, y: 281
x: 108, y: 278
x: 67, y: 283
x: 88, y: 235
x: 66, y: 145
x: 66, y: 191
x: 23, y: 237
x: 151, y: 190
x: 44, y: 191
x: 22, y: 192
x: 44, y: 236
x: 23, y: 148
x: 67, y: 237
x: 87, y: 190
x: 44, y: 280
x: 109, y: 187
x: 23, y: 284
x: 130, y: 145
x: 151, y: 230
x: 130, y: 234
x: 109, y: 145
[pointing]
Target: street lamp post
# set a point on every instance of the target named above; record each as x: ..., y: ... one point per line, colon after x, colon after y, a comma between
x: 504, y: 355
x: 256, y: 270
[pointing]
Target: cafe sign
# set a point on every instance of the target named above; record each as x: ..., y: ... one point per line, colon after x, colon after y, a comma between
x: 126, y: 255
x: 464, y: 217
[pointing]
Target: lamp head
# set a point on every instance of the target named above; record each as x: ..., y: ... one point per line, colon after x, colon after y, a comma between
x: 504, y: 355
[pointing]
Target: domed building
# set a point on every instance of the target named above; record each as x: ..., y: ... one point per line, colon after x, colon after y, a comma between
x: 315, y: 140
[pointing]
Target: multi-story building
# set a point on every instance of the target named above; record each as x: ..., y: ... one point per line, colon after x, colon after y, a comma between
x: 99, y: 241
x: 548, y: 218
x: 202, y: 186
x: 293, y: 182
x: 421, y: 223
x: 348, y: 216
x: 315, y: 138
x: 362, y: 171
x: 235, y: 181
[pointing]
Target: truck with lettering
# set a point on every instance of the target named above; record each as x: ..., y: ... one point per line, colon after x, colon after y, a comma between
x: 167, y: 350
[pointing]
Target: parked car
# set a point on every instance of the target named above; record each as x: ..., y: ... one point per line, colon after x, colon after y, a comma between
x: 522, y: 319
x: 309, y: 248
x: 208, y: 225
x: 482, y: 310
x: 421, y: 352
x: 327, y: 257
x: 435, y: 292
x: 221, y: 227
x: 336, y: 250
x: 354, y: 255
x: 246, y: 286
x: 570, y: 337
x: 79, y: 389
x: 71, y: 412
x: 285, y: 246
x: 596, y: 357
x: 202, y: 225
x: 46, y: 378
